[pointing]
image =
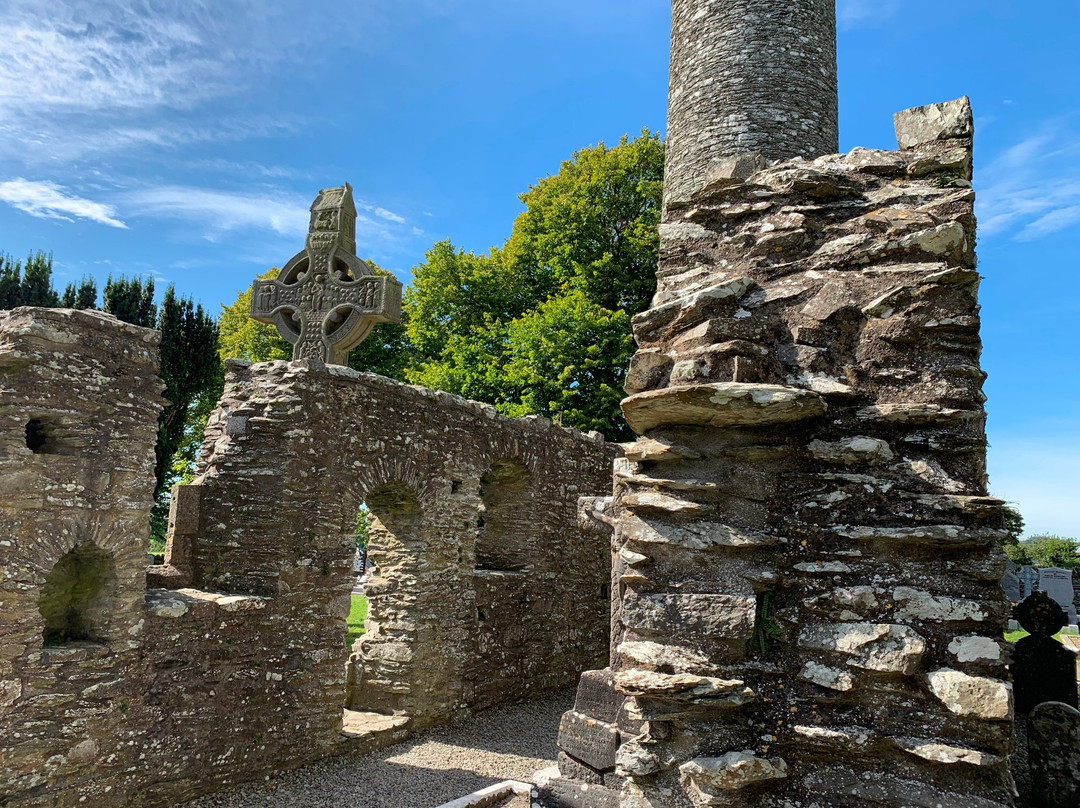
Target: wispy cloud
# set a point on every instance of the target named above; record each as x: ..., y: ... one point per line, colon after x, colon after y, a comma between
x: 47, y: 200
x: 381, y: 213
x: 859, y: 13
x: 1032, y: 189
x: 218, y: 212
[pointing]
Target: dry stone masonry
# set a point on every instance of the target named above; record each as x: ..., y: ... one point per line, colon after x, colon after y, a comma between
x: 807, y: 565
x: 123, y: 685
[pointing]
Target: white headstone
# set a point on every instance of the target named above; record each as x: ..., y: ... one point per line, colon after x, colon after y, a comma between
x: 1058, y: 584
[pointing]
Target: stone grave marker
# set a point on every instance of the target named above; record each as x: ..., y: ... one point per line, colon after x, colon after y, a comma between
x: 1028, y: 576
x: 1054, y: 755
x: 326, y: 300
x: 1058, y: 584
x: 1042, y: 668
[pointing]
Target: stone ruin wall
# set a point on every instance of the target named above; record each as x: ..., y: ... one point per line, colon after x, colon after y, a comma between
x: 811, y: 475
x: 232, y: 664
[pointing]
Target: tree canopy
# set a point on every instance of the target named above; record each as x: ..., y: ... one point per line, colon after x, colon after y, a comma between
x: 1048, y: 551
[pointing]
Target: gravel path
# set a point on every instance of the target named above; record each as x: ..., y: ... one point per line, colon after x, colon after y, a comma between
x: 432, y: 767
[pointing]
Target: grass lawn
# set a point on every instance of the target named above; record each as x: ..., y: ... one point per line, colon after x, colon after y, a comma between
x: 1013, y: 636
x: 356, y: 618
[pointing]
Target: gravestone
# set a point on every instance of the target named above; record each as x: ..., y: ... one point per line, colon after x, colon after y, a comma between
x: 1054, y: 755
x: 1028, y: 576
x: 1042, y: 668
x: 1011, y: 584
x: 1058, y: 584
x: 326, y: 300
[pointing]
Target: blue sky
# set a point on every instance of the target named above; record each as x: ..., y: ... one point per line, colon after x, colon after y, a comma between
x: 186, y: 138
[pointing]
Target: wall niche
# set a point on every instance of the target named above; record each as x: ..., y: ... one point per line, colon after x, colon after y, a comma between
x: 77, y: 599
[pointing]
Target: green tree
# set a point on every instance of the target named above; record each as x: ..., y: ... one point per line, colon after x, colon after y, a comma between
x: 1013, y: 525
x: 567, y: 361
x: 80, y: 296
x: 131, y: 300
x: 542, y: 325
x: 594, y: 225
x: 36, y: 288
x: 1053, y: 551
x: 189, y: 367
x: 455, y: 293
x: 244, y: 338
x: 10, y: 281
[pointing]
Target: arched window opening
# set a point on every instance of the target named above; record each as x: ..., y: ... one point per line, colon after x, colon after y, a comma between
x: 77, y: 598
x: 506, y: 520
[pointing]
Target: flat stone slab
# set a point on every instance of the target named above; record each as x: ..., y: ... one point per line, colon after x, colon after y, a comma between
x: 721, y: 404
x: 367, y: 732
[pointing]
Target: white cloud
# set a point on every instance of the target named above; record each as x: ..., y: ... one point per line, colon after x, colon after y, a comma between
x: 223, y: 211
x: 1041, y: 475
x: 216, y: 212
x: 46, y: 200
x: 1032, y: 189
x: 856, y: 13
x: 382, y: 213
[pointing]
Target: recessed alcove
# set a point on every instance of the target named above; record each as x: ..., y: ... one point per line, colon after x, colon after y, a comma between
x: 505, y: 523
x: 77, y: 598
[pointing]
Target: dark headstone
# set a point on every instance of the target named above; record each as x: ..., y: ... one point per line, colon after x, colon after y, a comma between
x: 597, y: 696
x: 588, y: 740
x: 1054, y: 755
x: 1042, y: 668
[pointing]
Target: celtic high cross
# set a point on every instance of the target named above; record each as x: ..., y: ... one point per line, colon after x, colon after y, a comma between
x: 326, y: 300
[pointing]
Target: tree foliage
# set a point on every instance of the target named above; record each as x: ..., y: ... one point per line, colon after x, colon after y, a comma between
x: 131, y: 300
x: 27, y: 284
x: 1050, y: 551
x: 542, y: 325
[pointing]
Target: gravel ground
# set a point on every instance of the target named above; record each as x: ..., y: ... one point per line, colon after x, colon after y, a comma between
x: 432, y: 767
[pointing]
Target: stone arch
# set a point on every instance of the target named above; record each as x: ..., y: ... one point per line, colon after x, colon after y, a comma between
x: 78, y: 597
x: 506, y: 518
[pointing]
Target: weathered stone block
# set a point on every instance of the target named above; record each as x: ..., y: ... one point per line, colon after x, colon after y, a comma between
x: 945, y: 121
x: 590, y: 741
x: 721, y: 404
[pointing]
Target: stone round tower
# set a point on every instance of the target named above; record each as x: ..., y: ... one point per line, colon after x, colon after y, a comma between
x: 749, y: 76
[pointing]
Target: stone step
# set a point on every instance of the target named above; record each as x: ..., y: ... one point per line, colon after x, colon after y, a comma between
x: 367, y: 732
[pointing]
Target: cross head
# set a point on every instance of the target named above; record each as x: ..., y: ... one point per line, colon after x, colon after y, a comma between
x: 325, y: 301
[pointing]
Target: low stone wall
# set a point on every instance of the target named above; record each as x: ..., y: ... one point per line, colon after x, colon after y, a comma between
x: 809, y: 601
x: 233, y: 662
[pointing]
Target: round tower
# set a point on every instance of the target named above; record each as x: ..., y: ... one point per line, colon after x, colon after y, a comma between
x: 749, y: 76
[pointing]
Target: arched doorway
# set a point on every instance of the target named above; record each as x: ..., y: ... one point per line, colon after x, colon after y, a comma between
x: 383, y: 654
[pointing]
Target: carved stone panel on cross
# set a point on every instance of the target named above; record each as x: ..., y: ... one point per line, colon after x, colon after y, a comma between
x: 325, y: 301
